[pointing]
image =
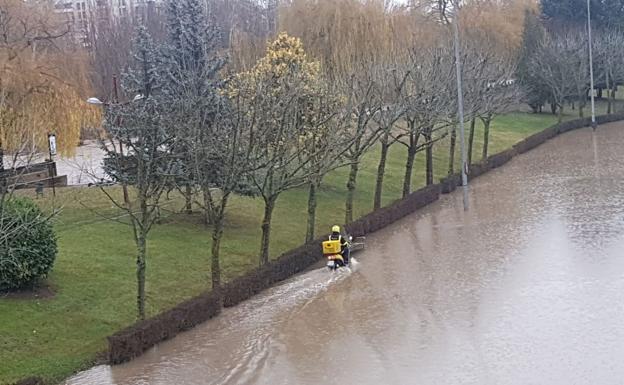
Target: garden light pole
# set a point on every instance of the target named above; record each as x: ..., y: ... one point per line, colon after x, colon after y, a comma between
x: 98, y: 102
x: 460, y: 108
x: 591, y: 66
x: 52, y: 153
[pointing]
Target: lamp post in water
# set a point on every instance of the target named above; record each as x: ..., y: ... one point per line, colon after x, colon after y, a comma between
x: 591, y: 66
x: 460, y: 106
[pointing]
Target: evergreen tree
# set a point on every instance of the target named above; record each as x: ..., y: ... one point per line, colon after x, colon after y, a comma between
x: 606, y: 14
x: 192, y: 66
x: 212, y: 149
x: 535, y: 92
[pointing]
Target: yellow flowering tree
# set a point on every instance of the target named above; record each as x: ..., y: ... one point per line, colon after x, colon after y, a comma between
x: 282, y: 102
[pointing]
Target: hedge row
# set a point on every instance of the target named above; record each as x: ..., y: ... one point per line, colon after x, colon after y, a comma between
x: 385, y: 216
x: 134, y: 340
x: 287, y: 265
x: 31, y: 381
x: 451, y: 182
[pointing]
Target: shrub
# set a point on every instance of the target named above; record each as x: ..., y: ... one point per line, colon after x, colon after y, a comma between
x: 27, y: 244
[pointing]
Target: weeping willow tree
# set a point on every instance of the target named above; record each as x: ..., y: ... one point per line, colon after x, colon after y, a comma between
x: 356, y: 41
x: 43, y: 81
x: 344, y: 33
x: 502, y: 21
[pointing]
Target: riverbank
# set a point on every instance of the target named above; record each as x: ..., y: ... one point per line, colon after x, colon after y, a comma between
x: 94, y: 275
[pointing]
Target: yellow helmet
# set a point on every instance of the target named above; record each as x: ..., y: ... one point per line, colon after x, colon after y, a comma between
x: 336, y: 229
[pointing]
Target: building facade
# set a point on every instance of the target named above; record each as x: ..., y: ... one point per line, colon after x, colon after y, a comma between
x: 80, y: 14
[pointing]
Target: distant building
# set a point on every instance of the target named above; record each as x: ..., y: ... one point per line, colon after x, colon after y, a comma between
x: 79, y: 12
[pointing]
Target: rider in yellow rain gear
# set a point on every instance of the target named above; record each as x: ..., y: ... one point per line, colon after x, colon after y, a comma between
x: 344, y: 244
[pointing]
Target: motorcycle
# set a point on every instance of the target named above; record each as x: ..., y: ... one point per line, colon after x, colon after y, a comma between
x: 332, y: 250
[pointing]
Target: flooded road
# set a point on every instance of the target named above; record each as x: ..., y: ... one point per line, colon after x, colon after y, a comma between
x: 526, y: 288
x: 82, y: 168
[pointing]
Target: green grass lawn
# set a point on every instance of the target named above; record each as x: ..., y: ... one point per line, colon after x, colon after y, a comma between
x: 94, y: 276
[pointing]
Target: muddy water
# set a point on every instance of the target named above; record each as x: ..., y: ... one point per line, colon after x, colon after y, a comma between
x: 527, y: 288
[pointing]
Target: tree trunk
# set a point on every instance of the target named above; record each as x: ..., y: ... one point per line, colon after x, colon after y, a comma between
x: 600, y: 93
x: 608, y: 93
x: 409, y: 165
x: 311, y: 212
x: 560, y: 116
x: 207, y: 205
x: 581, y: 111
x: 269, y: 205
x: 381, y: 169
x: 1, y: 158
x: 351, y: 184
x: 451, y: 168
x: 613, y: 91
x: 486, y: 137
x: 471, y: 139
x: 553, y: 108
x: 429, y: 156
x: 188, y: 197
x: 141, y: 265
x: 215, y: 265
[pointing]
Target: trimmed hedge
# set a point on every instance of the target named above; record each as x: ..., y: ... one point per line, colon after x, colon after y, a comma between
x: 134, y: 340
x: 572, y: 125
x: 604, y: 119
x: 535, y: 140
x: 450, y: 183
x: 497, y: 160
x: 397, y: 210
x: 31, y: 381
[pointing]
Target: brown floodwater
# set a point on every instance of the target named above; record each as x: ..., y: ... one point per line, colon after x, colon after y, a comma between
x: 525, y: 288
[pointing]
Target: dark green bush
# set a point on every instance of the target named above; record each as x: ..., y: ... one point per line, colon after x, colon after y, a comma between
x: 27, y: 244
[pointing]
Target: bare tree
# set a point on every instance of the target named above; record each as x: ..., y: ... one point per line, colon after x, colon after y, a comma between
x: 491, y: 88
x: 220, y: 153
x: 609, y: 56
x: 324, y: 143
x: 109, y: 38
x: 477, y: 55
x: 429, y: 102
x: 560, y: 62
x: 148, y: 165
x: 391, y: 80
x: 364, y: 101
x: 246, y: 26
x: 499, y: 95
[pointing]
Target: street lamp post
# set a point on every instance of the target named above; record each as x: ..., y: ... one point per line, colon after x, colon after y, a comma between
x: 460, y: 108
x: 591, y: 66
x: 52, y: 167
